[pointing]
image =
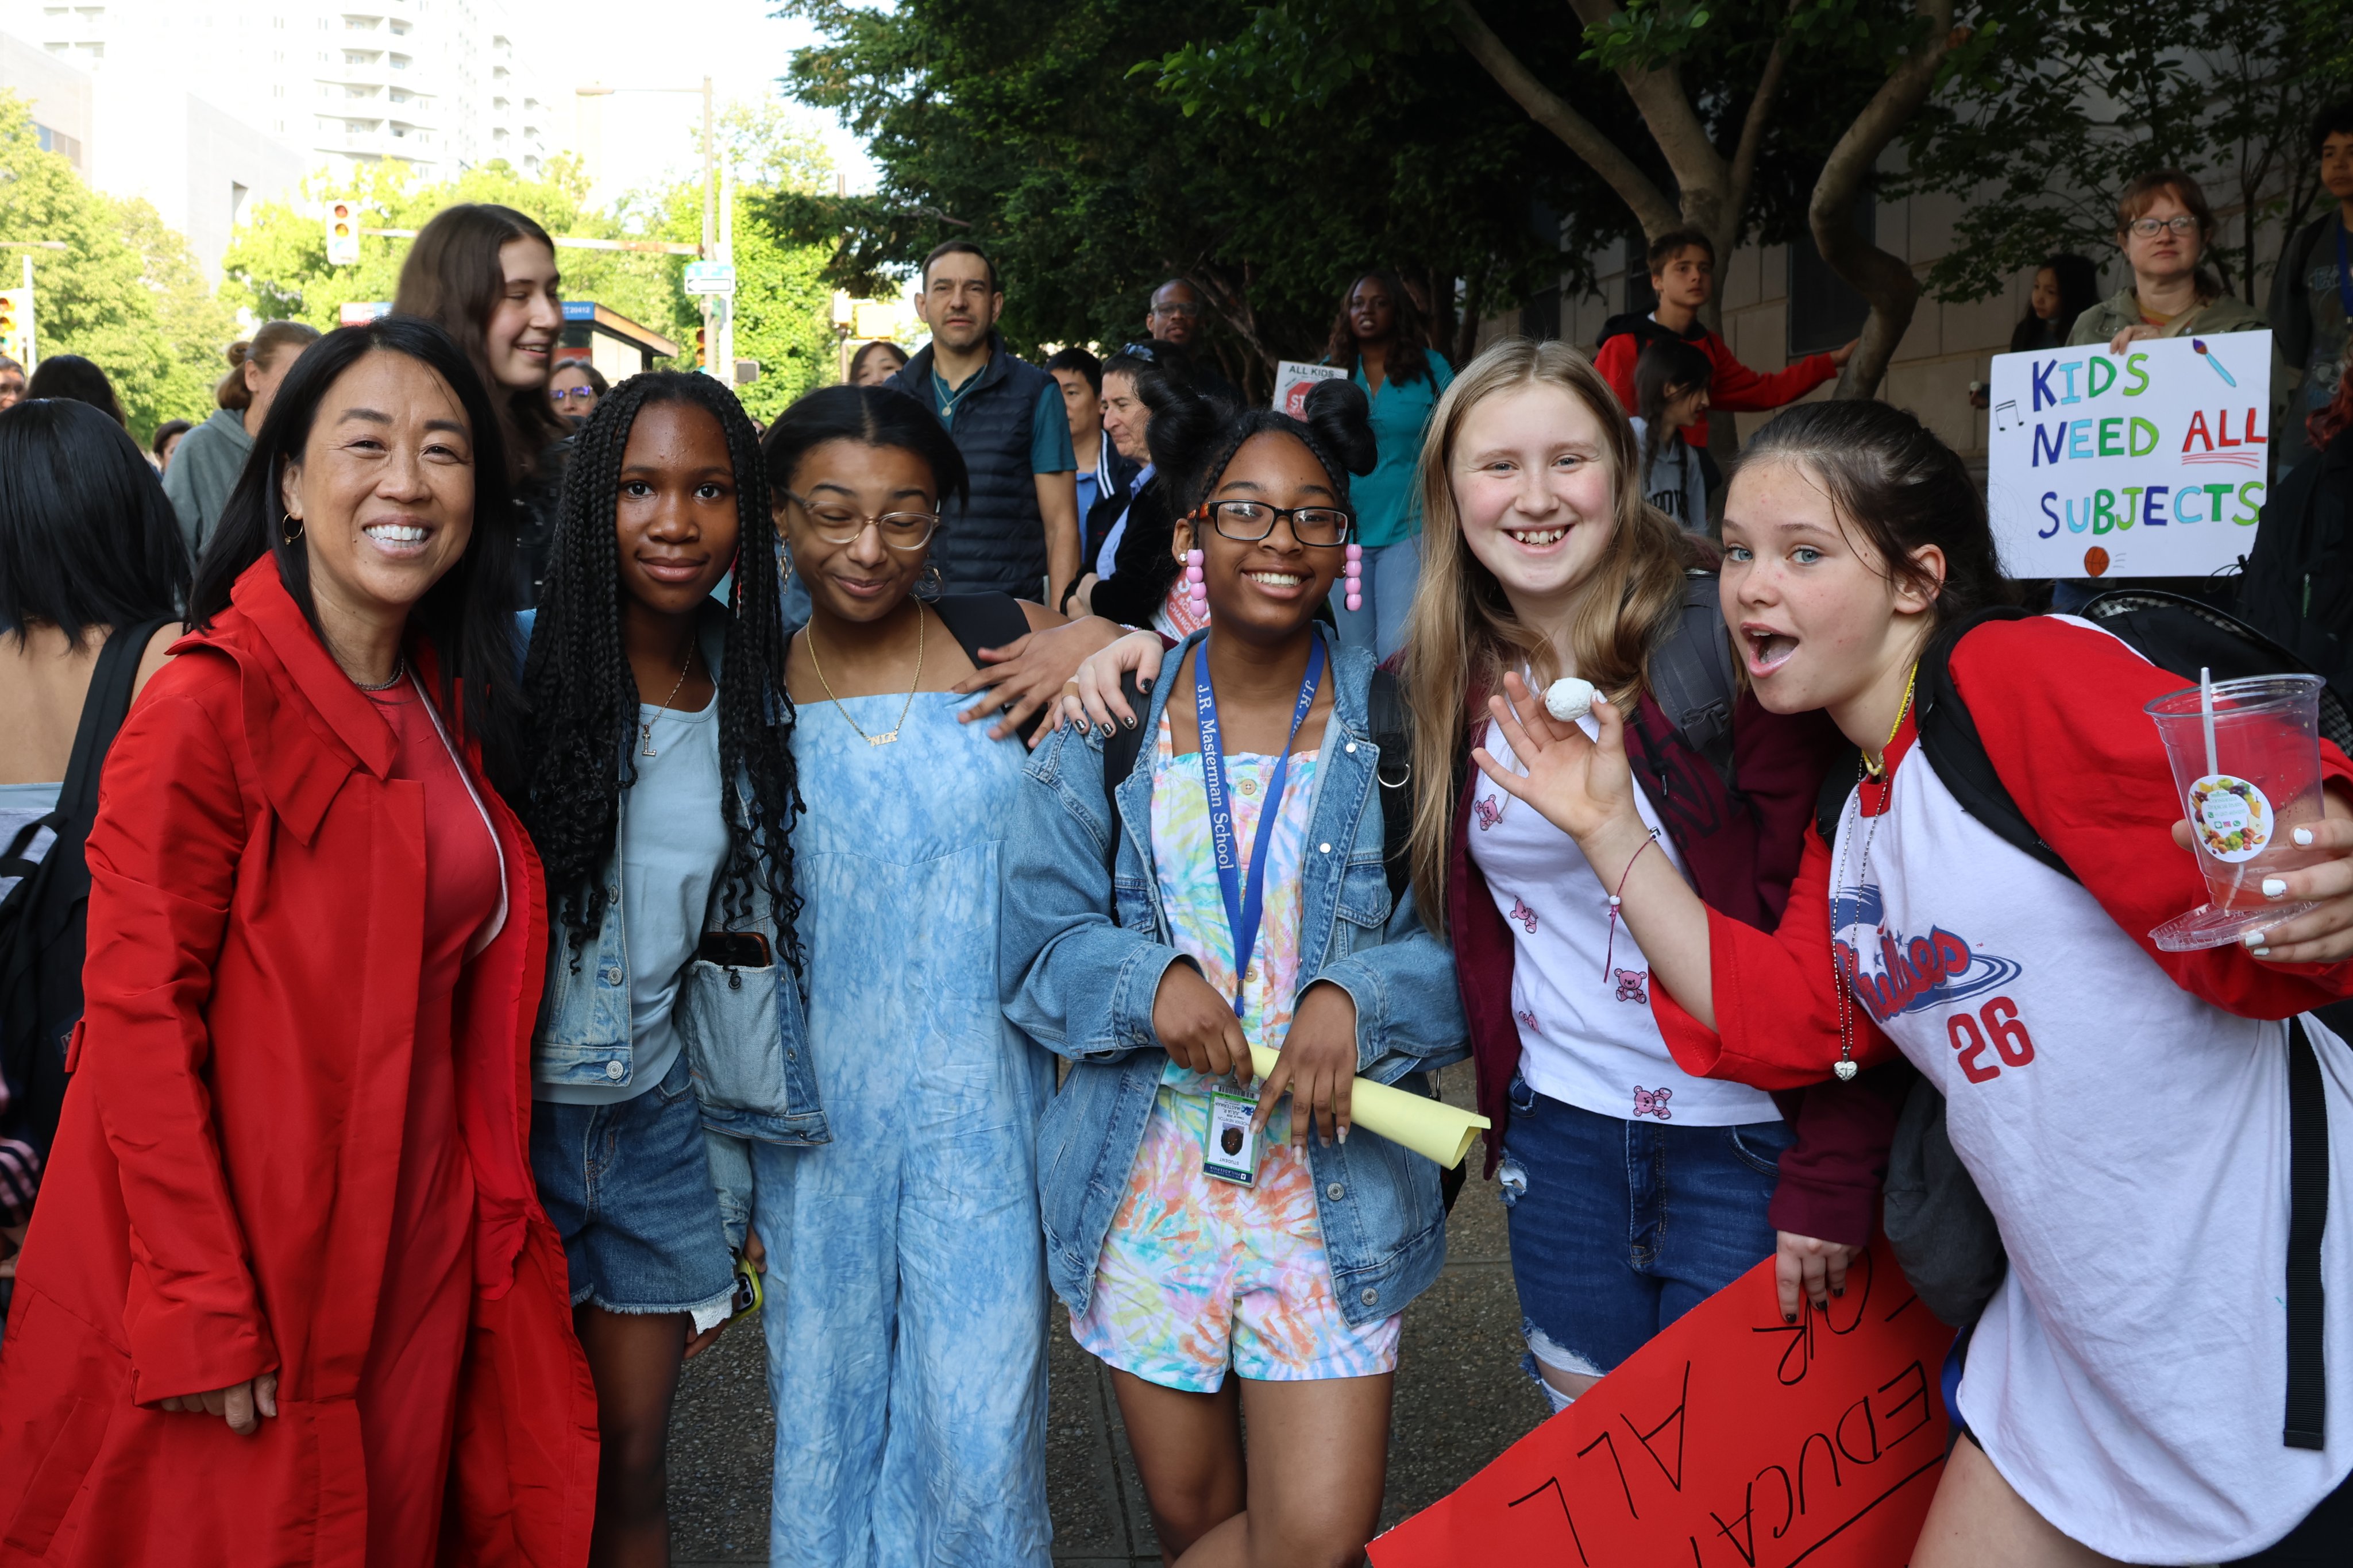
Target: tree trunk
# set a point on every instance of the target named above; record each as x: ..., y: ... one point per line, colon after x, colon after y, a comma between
x: 1885, y: 282
x: 1230, y: 295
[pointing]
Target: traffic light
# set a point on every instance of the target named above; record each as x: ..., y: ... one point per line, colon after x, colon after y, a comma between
x: 343, y: 234
x: 702, y: 348
x: 17, y: 324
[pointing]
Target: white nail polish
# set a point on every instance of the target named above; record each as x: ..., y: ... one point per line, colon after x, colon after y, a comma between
x: 2263, y: 953
x: 2303, y: 835
x: 2254, y: 939
x: 2274, y: 887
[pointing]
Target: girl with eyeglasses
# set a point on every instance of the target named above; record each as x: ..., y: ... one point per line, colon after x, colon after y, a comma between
x: 1222, y: 1243
x: 575, y: 389
x: 906, y: 1326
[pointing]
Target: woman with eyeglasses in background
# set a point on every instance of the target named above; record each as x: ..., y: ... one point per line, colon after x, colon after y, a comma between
x: 2163, y: 226
x: 575, y: 389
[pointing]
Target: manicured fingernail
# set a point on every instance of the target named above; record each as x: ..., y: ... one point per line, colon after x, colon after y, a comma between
x: 2274, y: 887
x: 1343, y: 1135
x: 1788, y: 1317
x: 1106, y: 732
x: 2254, y: 939
x: 1840, y: 1292
x: 1821, y: 1306
x: 2303, y: 835
x: 2263, y: 953
x: 1129, y: 720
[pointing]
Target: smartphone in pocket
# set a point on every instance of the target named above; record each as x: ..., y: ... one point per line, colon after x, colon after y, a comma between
x: 733, y: 948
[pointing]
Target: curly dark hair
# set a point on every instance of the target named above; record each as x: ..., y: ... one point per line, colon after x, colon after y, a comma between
x: 1194, y: 440
x: 584, y: 700
x: 1408, y: 358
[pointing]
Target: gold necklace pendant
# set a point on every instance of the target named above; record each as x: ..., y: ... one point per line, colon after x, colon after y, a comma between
x: 890, y: 736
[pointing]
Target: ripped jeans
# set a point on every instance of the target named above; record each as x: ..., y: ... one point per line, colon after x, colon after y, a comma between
x: 1620, y: 1228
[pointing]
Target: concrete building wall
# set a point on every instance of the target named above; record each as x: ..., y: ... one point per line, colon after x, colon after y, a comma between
x: 58, y: 93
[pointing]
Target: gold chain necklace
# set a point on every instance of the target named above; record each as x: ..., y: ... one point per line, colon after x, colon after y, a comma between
x: 892, y: 733
x: 646, y: 726
x: 1845, y: 1067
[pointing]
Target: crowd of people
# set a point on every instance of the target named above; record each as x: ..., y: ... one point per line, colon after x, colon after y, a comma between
x: 509, y: 873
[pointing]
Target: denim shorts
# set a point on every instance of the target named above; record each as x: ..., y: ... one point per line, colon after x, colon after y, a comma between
x: 630, y: 1188
x: 1620, y: 1228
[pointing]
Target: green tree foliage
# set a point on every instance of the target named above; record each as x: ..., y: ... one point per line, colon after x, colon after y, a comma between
x: 2047, y: 110
x: 125, y: 293
x: 1044, y: 133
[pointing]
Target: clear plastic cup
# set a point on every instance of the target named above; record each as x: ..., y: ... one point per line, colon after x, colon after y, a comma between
x: 2247, y: 781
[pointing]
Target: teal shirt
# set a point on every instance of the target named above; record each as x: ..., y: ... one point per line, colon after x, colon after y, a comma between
x: 1389, y: 509
x: 1051, y: 451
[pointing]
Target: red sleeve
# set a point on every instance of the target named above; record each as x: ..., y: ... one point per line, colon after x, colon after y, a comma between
x: 1744, y: 391
x: 1831, y: 1176
x: 1615, y: 361
x: 162, y: 862
x: 1777, y: 1009
x: 2059, y: 707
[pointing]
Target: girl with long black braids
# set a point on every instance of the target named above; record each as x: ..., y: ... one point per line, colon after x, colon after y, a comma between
x: 662, y: 793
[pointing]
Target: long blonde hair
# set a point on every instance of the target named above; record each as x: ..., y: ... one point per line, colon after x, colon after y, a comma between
x: 1462, y: 635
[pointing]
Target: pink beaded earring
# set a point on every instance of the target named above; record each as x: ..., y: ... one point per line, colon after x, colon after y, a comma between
x: 1196, y: 588
x: 1355, y: 584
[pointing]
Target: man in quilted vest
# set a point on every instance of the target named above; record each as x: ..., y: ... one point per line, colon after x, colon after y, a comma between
x: 1017, y: 531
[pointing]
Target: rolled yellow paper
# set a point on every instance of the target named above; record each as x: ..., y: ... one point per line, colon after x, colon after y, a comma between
x: 1431, y: 1128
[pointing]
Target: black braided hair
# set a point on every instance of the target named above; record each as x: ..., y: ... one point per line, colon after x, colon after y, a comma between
x: 584, y: 700
x: 1194, y: 438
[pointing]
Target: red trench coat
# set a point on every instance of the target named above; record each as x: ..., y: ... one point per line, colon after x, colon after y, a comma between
x: 220, y: 1193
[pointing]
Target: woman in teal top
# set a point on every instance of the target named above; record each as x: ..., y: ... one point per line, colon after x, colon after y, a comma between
x: 1379, y: 337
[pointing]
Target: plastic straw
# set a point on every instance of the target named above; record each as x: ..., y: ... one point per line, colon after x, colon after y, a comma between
x: 2206, y: 712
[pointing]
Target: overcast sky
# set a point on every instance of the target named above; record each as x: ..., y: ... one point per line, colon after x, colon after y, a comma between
x: 674, y: 43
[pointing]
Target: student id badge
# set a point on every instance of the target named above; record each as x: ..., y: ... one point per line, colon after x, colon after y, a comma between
x: 1230, y: 1148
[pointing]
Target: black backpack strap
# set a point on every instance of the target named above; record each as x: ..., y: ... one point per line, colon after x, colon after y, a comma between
x: 2307, y: 1218
x: 986, y: 620
x: 103, y: 709
x: 1391, y: 722
x: 1950, y: 739
x: 1120, y: 749
x: 1691, y: 679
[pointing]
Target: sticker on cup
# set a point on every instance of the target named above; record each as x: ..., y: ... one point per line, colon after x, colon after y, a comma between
x: 2233, y: 818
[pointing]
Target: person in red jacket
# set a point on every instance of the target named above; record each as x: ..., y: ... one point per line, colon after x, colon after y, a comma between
x: 2139, y: 1121
x: 1682, y: 274
x: 290, y: 1296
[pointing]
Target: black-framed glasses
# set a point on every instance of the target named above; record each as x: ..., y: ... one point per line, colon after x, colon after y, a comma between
x: 2149, y: 227
x: 1248, y: 521
x: 838, y: 524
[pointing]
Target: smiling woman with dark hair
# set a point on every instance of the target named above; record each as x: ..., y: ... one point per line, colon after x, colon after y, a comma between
x: 288, y: 1230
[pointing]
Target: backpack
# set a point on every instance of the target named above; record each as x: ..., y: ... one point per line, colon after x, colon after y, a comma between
x: 986, y: 620
x: 42, y: 937
x: 2297, y: 588
x: 1936, y: 1221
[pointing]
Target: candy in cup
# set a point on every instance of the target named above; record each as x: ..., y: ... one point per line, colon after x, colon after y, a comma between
x: 2246, y: 758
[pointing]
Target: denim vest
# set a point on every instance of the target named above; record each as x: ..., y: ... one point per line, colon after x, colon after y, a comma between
x: 742, y: 1030
x: 1084, y: 946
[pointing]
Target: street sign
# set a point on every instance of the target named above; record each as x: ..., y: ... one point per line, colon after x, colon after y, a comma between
x: 360, y: 312
x: 710, y: 278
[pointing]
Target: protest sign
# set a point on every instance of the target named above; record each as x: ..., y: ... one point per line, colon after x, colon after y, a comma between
x: 1292, y: 378
x: 1732, y: 1440
x: 2151, y: 463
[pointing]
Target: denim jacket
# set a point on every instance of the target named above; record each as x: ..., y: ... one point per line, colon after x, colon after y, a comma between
x: 1084, y: 947
x: 743, y: 1030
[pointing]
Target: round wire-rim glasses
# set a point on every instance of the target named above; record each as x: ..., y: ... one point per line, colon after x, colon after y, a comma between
x: 844, y: 525
x: 1248, y: 521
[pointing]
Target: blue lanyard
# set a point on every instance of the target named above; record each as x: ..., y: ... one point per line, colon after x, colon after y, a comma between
x: 1245, y: 896
x: 2344, y: 272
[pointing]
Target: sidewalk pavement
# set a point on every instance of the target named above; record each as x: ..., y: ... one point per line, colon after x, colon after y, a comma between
x: 1460, y: 1401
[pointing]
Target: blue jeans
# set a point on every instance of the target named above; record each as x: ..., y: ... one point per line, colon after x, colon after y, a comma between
x: 1618, y: 1229
x: 1391, y: 573
x: 628, y: 1187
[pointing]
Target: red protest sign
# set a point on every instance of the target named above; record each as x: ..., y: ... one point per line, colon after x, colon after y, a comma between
x: 1733, y: 1441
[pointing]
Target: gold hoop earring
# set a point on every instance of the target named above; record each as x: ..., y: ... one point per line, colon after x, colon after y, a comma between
x: 289, y: 530
x: 933, y: 580
x: 786, y: 557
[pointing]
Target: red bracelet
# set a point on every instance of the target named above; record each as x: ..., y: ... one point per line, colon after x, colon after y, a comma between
x: 1610, y: 952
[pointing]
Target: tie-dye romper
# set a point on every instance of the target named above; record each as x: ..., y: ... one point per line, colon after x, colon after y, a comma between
x: 1199, y: 1274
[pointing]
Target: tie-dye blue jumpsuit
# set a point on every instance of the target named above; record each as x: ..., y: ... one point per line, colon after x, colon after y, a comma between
x: 906, y: 1312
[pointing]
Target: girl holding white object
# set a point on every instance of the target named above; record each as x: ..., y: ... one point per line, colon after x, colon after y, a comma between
x: 2125, y: 1110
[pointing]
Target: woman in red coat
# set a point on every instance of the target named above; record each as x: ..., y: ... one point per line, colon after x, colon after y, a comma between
x: 290, y: 1298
